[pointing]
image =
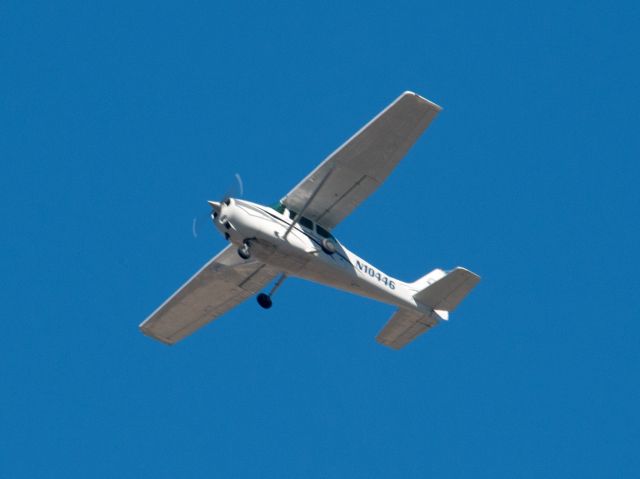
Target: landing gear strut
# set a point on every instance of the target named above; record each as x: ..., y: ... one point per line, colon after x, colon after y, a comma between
x: 264, y: 300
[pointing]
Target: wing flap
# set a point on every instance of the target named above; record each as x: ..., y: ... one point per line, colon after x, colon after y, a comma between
x: 223, y: 283
x: 362, y: 163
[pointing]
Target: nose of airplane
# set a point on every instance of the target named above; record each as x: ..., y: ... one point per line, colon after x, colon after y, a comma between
x: 215, y: 207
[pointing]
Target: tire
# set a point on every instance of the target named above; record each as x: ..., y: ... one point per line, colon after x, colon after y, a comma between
x: 244, y: 252
x: 328, y: 246
x: 264, y: 300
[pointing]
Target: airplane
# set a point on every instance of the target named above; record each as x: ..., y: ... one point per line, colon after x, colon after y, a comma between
x: 293, y: 238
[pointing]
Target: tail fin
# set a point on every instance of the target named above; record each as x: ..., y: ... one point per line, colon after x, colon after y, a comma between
x: 443, y: 292
x: 427, y: 279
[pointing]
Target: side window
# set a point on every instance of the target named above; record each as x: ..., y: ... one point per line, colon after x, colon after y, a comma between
x: 323, y: 232
x: 292, y: 214
x: 306, y: 222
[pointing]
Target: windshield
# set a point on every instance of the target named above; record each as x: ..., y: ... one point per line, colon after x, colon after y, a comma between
x: 279, y: 207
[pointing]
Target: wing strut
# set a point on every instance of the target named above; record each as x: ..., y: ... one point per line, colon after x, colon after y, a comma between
x: 306, y: 205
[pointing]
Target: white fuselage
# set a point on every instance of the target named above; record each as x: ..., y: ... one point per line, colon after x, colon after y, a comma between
x: 301, y: 254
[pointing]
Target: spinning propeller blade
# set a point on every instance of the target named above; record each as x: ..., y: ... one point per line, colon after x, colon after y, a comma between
x: 235, y: 190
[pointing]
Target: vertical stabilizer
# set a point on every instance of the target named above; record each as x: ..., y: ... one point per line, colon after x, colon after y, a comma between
x: 427, y: 279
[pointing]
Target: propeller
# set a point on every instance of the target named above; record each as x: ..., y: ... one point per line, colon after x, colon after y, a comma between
x: 235, y: 190
x: 194, y: 225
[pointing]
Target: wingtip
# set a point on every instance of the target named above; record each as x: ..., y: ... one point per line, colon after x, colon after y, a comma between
x: 422, y: 99
x: 147, y: 332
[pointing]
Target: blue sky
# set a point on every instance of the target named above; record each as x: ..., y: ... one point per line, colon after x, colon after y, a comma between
x: 118, y: 121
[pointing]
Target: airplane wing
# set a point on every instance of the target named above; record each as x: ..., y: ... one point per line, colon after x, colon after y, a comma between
x: 224, y: 282
x: 361, y: 164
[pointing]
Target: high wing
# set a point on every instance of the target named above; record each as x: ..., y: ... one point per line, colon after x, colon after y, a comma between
x: 361, y: 164
x: 224, y: 282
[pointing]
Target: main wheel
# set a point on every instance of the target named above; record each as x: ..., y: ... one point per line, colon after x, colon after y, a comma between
x: 264, y: 300
x: 244, y: 251
x: 328, y: 246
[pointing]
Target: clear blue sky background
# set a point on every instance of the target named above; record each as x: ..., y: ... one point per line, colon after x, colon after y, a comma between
x: 118, y: 121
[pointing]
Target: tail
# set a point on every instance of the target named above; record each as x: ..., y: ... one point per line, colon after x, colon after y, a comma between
x: 440, y: 292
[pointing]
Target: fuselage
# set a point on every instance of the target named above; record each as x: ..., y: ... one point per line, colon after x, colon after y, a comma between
x: 308, y: 251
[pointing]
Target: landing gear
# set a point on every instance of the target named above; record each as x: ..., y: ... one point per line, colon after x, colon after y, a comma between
x: 244, y: 252
x: 328, y: 246
x: 264, y: 300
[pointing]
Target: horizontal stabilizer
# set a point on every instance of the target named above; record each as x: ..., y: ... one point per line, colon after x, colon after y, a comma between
x: 447, y: 292
x: 406, y: 325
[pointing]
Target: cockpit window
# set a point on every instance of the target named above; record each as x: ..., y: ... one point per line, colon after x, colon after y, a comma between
x: 306, y: 222
x: 279, y: 207
x: 323, y: 232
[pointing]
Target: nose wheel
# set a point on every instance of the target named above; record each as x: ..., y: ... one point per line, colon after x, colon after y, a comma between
x: 244, y: 252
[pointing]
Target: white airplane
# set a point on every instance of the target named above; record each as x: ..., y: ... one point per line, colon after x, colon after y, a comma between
x: 293, y: 238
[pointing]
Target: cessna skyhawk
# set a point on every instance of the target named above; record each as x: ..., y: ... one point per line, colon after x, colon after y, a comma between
x: 293, y: 238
